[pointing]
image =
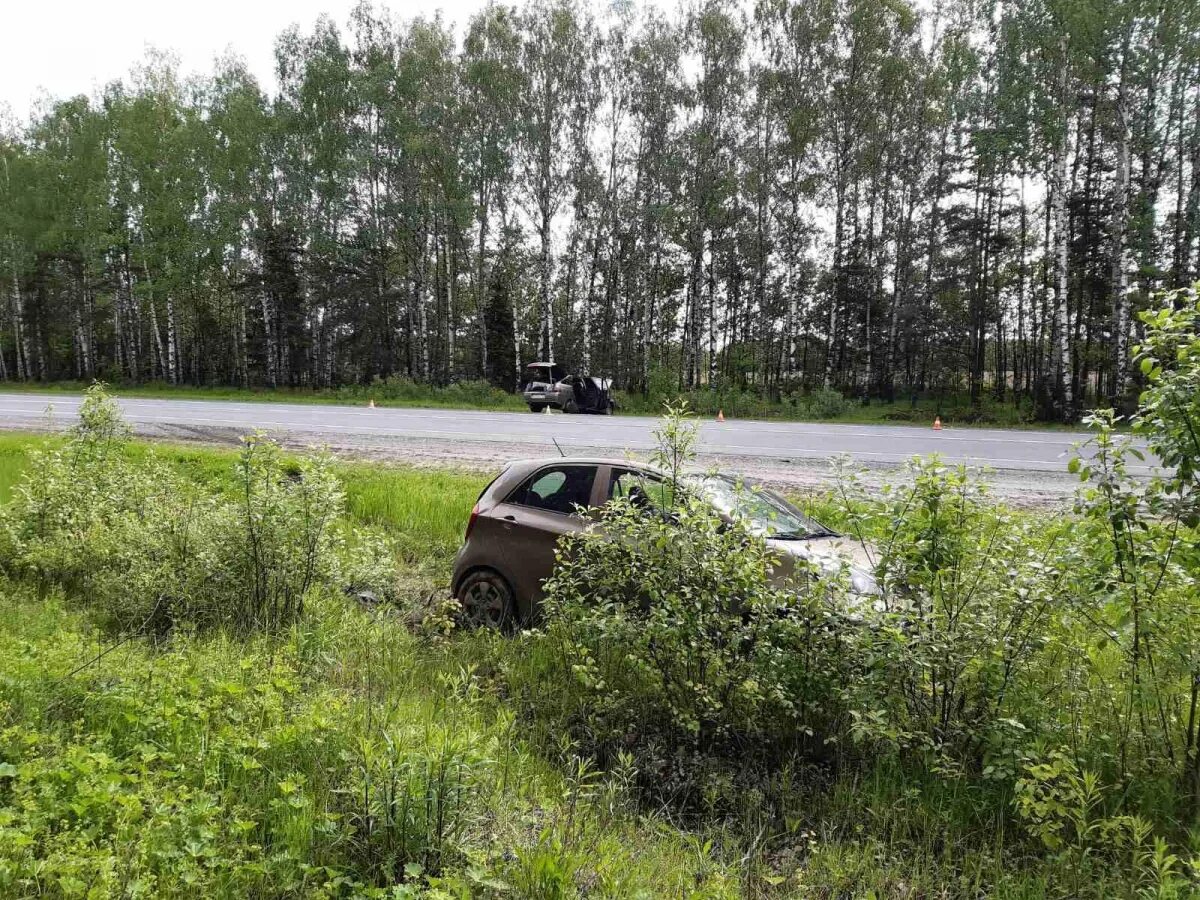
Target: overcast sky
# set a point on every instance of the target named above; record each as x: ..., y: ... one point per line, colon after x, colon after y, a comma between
x: 67, y: 47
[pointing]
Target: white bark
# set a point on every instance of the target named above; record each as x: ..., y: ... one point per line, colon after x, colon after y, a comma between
x: 1061, y: 349
x: 544, y: 288
x: 449, y: 312
x: 158, y: 364
x: 839, y: 233
x: 1120, y: 252
x: 172, y: 345
x: 24, y: 368
x: 423, y: 314
x: 269, y: 332
x: 119, y: 311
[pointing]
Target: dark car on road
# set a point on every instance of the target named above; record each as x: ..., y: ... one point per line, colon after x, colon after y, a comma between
x: 515, y: 526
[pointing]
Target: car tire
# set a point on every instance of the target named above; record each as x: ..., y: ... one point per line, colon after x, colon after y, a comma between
x: 536, y: 407
x: 487, y: 601
x: 571, y: 407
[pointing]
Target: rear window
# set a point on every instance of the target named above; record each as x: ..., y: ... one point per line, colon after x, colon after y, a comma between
x: 557, y: 489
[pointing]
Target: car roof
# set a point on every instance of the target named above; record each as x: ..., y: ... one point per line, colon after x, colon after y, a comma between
x: 528, y: 465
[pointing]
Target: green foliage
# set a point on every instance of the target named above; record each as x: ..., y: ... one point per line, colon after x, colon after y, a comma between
x: 1012, y: 715
x: 1046, y: 664
x: 967, y: 593
x: 821, y: 404
x: 152, y: 550
x: 1169, y: 409
x: 472, y: 394
x: 333, y: 759
x: 679, y: 648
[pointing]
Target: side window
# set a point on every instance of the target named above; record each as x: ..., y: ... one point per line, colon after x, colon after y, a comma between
x: 557, y: 489
x: 640, y: 489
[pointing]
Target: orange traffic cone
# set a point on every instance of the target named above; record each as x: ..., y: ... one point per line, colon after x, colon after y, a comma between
x: 720, y: 415
x: 937, y: 423
x: 370, y: 404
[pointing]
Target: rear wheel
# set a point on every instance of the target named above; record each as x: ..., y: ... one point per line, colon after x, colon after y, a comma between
x: 487, y: 601
x: 571, y: 406
x: 536, y: 407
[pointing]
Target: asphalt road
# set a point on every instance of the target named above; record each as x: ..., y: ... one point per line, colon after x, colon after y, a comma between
x: 357, y: 427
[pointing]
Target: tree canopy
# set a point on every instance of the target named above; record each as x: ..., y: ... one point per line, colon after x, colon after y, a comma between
x: 869, y: 195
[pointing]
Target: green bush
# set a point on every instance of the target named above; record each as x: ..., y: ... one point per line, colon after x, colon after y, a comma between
x: 826, y: 403
x: 220, y: 768
x: 469, y: 394
x: 150, y: 549
x: 681, y: 652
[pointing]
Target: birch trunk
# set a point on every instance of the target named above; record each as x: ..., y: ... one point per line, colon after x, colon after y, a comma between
x: 269, y: 336
x: 711, y: 290
x: 481, y: 283
x: 544, y: 284
x: 423, y: 311
x: 1192, y: 216
x: 899, y: 287
x: 24, y: 370
x: 119, y: 303
x: 839, y: 231
x: 1060, y: 326
x: 1120, y: 257
x: 158, y: 362
x: 449, y: 273
x: 172, y: 347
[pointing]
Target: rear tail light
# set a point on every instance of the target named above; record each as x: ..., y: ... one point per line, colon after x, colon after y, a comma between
x: 471, y: 521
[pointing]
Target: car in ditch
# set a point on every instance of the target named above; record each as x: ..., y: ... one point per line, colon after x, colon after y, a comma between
x: 509, y: 548
x: 551, y: 386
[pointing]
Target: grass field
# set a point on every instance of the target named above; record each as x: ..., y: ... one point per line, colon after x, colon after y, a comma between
x: 305, y: 763
x: 954, y: 409
x: 425, y: 511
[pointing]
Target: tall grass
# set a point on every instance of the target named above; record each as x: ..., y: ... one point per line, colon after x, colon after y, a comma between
x: 343, y: 754
x: 428, y: 510
x: 13, y: 451
x: 425, y: 511
x: 334, y: 760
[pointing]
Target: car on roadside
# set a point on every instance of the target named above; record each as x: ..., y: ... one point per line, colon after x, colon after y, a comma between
x: 509, y: 548
x: 551, y: 386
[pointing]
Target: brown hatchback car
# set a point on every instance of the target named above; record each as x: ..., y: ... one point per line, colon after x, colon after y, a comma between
x: 509, y: 548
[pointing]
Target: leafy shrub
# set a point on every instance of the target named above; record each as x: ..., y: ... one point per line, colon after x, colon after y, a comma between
x: 826, y: 403
x: 680, y: 650
x: 219, y: 768
x: 969, y: 590
x: 150, y: 549
x: 398, y: 388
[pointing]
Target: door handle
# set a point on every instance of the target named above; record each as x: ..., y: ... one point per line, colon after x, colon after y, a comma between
x: 509, y: 521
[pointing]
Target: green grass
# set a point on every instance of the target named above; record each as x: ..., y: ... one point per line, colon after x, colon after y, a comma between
x: 230, y: 768
x: 425, y: 511
x: 13, y: 460
x: 213, y: 765
x: 407, y: 395
x: 954, y: 409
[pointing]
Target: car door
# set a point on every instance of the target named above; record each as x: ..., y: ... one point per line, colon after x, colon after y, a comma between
x: 551, y: 502
x: 643, y: 489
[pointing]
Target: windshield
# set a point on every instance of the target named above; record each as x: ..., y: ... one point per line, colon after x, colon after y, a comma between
x: 764, y: 513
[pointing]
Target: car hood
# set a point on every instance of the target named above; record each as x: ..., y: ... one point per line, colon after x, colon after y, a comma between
x: 829, y: 555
